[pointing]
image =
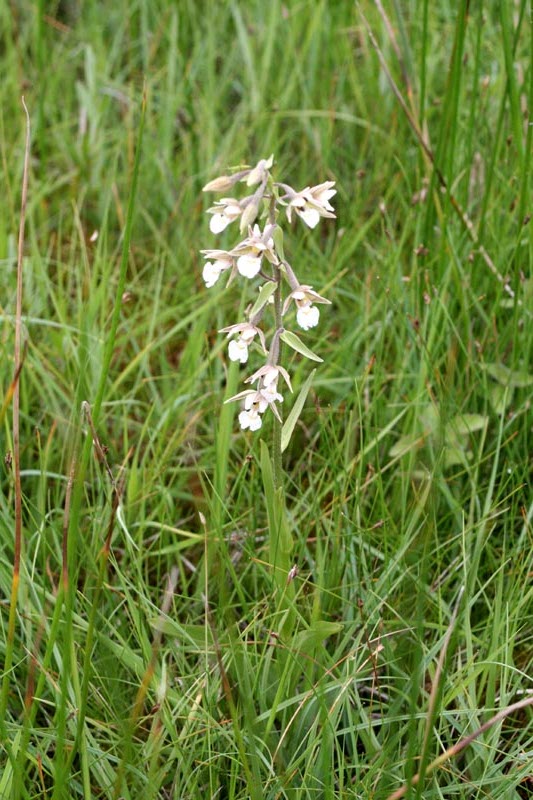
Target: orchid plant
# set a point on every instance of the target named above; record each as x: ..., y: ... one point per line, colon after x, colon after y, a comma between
x: 259, y: 215
x: 260, y: 255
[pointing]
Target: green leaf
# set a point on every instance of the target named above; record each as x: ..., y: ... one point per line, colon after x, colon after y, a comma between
x: 463, y: 424
x: 508, y: 377
x: 192, y: 637
x: 296, y: 410
x: 296, y: 343
x: 307, y: 641
x: 266, y: 292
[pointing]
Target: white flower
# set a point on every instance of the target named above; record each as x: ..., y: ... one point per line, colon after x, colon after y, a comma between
x: 224, y: 212
x: 256, y: 401
x: 311, y: 203
x: 307, y: 316
x: 238, y: 348
x: 254, y: 405
x: 213, y: 269
x: 249, y: 253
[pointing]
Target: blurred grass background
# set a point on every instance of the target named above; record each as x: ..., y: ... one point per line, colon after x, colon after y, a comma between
x: 409, y: 473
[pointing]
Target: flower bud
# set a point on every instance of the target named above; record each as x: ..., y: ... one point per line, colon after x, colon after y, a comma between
x: 249, y: 214
x: 221, y: 184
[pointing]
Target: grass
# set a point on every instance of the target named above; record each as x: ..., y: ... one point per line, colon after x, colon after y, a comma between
x: 150, y: 655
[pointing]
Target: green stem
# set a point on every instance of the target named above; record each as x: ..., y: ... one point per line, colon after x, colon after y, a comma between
x: 277, y: 465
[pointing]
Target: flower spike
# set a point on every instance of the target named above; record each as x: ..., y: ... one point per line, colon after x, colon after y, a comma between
x: 261, y: 248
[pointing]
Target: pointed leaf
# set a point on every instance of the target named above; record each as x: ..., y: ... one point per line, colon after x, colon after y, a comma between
x: 296, y: 343
x: 265, y: 293
x: 292, y: 419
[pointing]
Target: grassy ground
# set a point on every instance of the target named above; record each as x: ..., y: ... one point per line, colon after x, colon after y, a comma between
x: 149, y: 655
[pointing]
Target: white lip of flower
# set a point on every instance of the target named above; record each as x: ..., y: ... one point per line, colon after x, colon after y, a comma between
x: 238, y: 350
x: 249, y: 266
x: 307, y: 316
x: 222, y: 260
x: 311, y: 203
x: 210, y: 274
x: 224, y: 212
x: 250, y: 419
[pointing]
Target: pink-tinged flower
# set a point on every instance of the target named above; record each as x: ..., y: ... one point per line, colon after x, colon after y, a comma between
x: 222, y: 260
x: 224, y: 212
x: 238, y: 348
x: 311, y: 203
x: 249, y: 253
x: 307, y: 314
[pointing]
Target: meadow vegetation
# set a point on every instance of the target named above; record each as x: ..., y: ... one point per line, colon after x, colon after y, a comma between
x: 148, y: 650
